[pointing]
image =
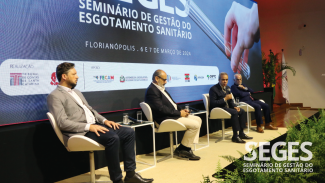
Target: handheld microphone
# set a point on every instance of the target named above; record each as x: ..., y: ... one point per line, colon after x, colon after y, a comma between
x: 230, y: 93
x: 193, y: 109
x: 133, y: 120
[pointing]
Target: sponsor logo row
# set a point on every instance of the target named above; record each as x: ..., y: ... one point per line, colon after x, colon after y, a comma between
x: 21, y: 79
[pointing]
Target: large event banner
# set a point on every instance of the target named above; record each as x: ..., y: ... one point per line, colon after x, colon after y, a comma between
x: 117, y: 45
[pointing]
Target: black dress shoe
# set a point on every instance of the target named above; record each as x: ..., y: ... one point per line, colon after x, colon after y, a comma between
x: 238, y: 140
x: 176, y: 152
x: 245, y: 137
x: 188, y: 154
x: 137, y: 179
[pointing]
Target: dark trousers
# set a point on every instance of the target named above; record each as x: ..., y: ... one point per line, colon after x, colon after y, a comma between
x: 258, y: 105
x: 112, y: 140
x: 238, y: 119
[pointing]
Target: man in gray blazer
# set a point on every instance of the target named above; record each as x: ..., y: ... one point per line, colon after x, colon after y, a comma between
x: 75, y: 117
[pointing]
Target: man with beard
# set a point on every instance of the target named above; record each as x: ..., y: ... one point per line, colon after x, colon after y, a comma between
x: 164, y: 107
x: 75, y: 117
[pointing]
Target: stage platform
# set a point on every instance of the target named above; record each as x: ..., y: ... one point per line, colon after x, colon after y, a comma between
x: 176, y: 171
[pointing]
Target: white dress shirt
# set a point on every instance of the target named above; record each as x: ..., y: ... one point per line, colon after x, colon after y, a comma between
x: 89, y: 115
x: 162, y: 89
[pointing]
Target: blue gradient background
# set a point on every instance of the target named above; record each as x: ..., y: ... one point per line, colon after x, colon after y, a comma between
x: 50, y: 30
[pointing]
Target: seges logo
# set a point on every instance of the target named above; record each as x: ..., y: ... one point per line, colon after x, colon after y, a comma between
x: 195, y: 77
x: 53, y: 78
x: 103, y: 79
x: 122, y: 79
x: 212, y: 77
x: 187, y: 77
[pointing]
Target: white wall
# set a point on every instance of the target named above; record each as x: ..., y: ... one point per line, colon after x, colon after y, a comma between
x: 286, y: 31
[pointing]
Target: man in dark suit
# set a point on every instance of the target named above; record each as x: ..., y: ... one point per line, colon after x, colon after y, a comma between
x: 220, y: 96
x: 164, y: 107
x: 244, y: 94
x: 75, y: 117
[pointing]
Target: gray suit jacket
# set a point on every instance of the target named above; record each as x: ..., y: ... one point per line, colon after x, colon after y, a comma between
x: 69, y: 115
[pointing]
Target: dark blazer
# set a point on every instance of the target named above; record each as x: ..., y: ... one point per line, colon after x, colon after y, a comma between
x: 161, y: 107
x: 243, y: 95
x: 216, y: 97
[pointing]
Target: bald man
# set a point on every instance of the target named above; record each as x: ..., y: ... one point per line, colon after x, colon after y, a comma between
x: 164, y: 107
x: 242, y: 92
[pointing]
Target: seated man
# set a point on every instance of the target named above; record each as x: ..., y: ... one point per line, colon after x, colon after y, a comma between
x: 164, y: 107
x: 244, y: 94
x: 75, y: 117
x: 220, y: 96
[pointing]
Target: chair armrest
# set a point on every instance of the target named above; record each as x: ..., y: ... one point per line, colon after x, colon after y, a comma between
x: 219, y: 113
x: 246, y: 107
x: 169, y: 125
x: 82, y: 143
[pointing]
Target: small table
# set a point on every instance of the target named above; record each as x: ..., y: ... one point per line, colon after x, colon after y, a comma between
x: 207, y: 121
x: 144, y: 123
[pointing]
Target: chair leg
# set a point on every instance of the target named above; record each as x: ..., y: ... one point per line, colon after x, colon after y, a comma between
x: 171, y: 144
x: 249, y: 124
x: 176, y: 139
x: 250, y: 120
x: 223, y: 129
x: 92, y: 166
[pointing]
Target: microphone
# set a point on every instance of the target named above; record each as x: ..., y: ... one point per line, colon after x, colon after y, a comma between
x: 228, y: 89
x: 133, y: 120
x: 193, y: 109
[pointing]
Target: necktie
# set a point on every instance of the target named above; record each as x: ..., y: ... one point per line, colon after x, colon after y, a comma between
x: 251, y: 97
x: 224, y: 90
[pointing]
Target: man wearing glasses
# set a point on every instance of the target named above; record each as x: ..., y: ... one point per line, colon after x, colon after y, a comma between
x: 164, y: 107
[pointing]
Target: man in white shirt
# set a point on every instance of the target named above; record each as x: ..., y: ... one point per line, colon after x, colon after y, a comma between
x: 75, y: 117
x: 164, y: 107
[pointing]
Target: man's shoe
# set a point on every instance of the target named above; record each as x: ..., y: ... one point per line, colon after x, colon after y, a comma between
x: 245, y: 137
x: 188, y: 154
x: 137, y: 179
x: 259, y: 129
x: 238, y: 140
x: 270, y: 127
x: 176, y: 152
